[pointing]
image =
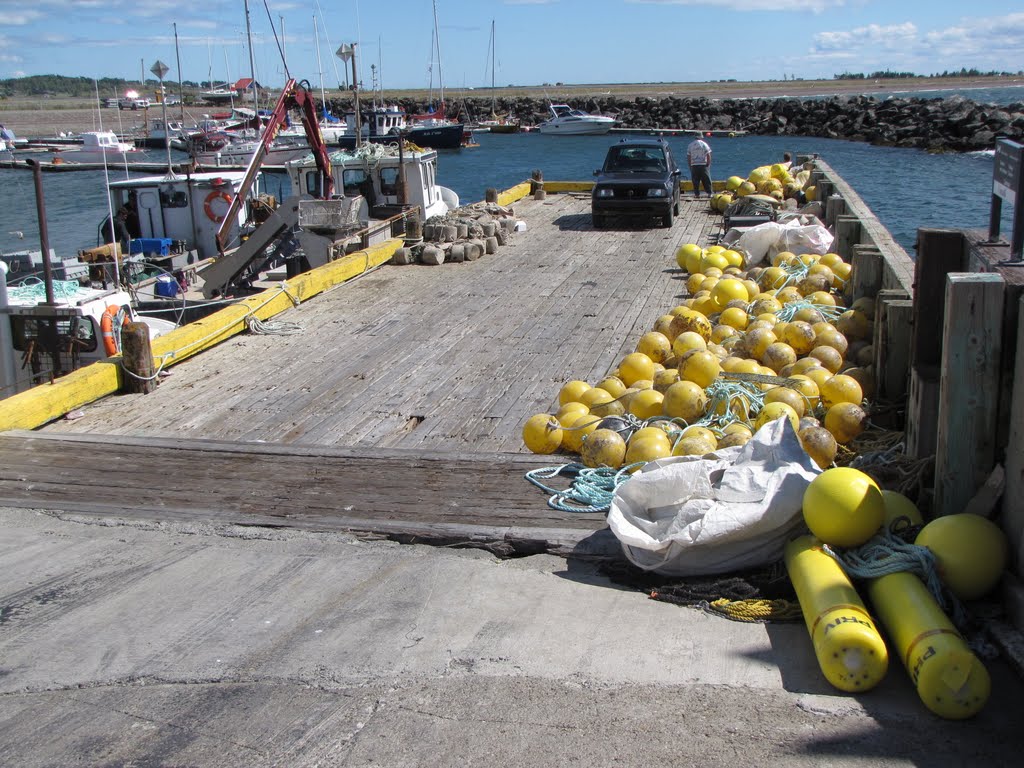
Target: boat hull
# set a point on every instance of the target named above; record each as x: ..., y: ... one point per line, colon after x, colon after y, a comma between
x: 581, y: 128
x: 433, y: 137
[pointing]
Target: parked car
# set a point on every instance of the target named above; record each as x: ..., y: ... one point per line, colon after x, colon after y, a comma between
x: 639, y: 178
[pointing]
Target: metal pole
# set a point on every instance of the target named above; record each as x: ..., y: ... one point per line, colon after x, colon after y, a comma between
x: 167, y: 131
x: 44, y: 235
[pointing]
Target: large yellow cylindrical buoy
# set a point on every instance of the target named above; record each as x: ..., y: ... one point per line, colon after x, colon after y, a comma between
x: 850, y: 652
x: 949, y: 678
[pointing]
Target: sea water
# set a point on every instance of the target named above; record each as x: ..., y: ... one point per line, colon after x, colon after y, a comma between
x: 906, y: 188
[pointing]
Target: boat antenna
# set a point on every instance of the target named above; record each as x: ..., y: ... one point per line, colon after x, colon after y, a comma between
x: 319, y: 67
x: 277, y: 40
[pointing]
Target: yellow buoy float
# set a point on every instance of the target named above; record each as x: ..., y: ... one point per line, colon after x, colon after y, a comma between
x: 850, y: 651
x: 949, y: 678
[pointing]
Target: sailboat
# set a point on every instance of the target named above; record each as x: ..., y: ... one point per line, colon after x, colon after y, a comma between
x: 435, y: 129
x: 505, y: 124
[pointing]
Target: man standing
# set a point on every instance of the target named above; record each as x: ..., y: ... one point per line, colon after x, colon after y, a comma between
x: 698, y: 155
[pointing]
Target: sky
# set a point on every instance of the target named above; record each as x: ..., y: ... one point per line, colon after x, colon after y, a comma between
x: 535, y: 41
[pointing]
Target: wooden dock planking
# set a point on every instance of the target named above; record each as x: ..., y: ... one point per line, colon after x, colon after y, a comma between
x: 474, y: 348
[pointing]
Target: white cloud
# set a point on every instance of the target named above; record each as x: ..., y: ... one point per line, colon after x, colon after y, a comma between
x: 992, y: 42
x: 814, y: 6
x: 19, y: 18
x: 872, y: 34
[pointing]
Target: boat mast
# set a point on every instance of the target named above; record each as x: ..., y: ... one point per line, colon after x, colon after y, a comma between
x: 494, y: 110
x: 252, y: 61
x: 437, y: 43
x: 319, y: 68
x: 181, y: 92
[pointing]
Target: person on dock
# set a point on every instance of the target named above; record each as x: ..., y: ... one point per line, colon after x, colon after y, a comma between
x: 698, y: 156
x: 6, y: 134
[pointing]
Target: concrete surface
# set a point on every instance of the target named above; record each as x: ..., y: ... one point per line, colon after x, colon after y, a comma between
x: 144, y: 644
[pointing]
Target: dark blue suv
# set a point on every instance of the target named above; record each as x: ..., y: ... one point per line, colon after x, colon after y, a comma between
x: 639, y: 178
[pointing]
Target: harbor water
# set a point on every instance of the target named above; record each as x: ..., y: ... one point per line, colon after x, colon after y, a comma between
x: 906, y: 188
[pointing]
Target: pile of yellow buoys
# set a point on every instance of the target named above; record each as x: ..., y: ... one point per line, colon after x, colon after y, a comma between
x: 747, y: 347
x: 778, y: 181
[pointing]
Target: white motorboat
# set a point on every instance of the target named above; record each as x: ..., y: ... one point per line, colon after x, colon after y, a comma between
x: 566, y: 121
x: 100, y: 146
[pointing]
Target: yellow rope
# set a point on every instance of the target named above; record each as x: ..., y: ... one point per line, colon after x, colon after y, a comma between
x: 755, y: 610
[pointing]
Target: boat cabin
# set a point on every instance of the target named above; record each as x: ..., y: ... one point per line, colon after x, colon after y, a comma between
x: 180, y: 213
x: 40, y: 342
x: 388, y: 180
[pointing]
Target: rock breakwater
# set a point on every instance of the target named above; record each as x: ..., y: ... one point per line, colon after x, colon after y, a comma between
x: 952, y: 124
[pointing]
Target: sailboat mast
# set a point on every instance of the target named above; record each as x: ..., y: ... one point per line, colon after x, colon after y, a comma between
x: 181, y: 92
x: 493, y: 109
x: 437, y: 43
x: 252, y: 61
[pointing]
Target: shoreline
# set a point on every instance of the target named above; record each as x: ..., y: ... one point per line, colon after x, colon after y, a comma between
x: 41, y: 118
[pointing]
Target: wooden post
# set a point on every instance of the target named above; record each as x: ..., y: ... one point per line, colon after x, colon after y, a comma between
x: 881, y: 342
x: 536, y: 181
x: 847, y: 235
x: 868, y: 270
x: 892, y: 375
x: 137, y: 359
x: 939, y: 252
x: 413, y: 229
x: 1013, y: 498
x: 834, y: 206
x: 490, y: 195
x: 972, y: 335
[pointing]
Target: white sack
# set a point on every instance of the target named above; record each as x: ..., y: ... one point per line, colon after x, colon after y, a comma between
x: 736, y: 509
x: 797, y: 239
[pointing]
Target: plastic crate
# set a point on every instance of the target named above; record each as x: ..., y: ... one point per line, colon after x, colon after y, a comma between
x: 156, y: 246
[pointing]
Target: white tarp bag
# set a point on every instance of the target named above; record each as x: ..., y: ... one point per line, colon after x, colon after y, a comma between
x: 734, y: 509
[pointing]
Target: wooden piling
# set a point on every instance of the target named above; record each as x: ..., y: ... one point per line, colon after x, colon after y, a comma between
x: 968, y: 388
x: 868, y: 271
x: 137, y: 359
x: 939, y: 252
x: 848, y: 229
x: 834, y: 207
x: 891, y: 345
x: 1013, y: 498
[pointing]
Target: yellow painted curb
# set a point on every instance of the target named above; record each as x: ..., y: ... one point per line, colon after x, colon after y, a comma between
x: 46, y: 402
x: 511, y: 195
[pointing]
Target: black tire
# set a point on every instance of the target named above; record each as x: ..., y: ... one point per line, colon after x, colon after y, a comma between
x: 598, y: 220
x: 666, y: 220
x: 675, y: 207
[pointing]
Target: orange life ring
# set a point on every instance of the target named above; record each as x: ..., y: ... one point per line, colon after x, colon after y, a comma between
x: 107, y: 328
x: 217, y: 194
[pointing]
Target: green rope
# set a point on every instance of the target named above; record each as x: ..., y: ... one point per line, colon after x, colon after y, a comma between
x: 886, y: 553
x: 591, y: 489
x: 827, y: 311
x: 32, y: 289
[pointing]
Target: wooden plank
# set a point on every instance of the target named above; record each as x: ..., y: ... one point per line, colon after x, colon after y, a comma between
x: 939, y: 252
x: 880, y: 341
x: 968, y: 388
x: 1013, y: 498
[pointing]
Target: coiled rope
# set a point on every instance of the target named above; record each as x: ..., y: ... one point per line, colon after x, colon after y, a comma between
x: 591, y: 489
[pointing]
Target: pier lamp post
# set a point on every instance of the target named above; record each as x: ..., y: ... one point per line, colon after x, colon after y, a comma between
x: 160, y: 69
x: 347, y: 53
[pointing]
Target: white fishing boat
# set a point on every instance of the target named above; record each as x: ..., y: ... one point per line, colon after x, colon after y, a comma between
x: 101, y: 146
x: 566, y: 121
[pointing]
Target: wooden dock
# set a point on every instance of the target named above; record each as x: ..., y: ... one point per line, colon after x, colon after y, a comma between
x: 397, y: 410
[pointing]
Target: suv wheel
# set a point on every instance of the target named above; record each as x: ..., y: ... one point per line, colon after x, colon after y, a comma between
x: 666, y: 220
x: 598, y: 220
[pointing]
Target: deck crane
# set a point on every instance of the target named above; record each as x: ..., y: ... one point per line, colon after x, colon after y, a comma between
x: 294, y: 95
x: 273, y: 240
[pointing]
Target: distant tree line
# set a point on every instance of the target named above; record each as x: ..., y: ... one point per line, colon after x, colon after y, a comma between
x: 59, y: 85
x: 889, y: 74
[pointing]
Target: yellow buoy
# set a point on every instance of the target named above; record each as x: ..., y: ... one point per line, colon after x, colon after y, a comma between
x: 949, y: 678
x: 843, y: 507
x: 846, y: 642
x: 971, y: 551
x: 897, y: 505
x: 542, y: 433
x: 603, y: 448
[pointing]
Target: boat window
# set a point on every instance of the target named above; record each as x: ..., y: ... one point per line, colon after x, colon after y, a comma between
x: 71, y: 332
x: 148, y: 200
x: 174, y: 199
x: 389, y: 181
x: 351, y: 181
x: 313, y: 184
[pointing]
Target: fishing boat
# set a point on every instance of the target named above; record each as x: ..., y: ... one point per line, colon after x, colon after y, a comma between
x: 101, y: 146
x: 566, y: 121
